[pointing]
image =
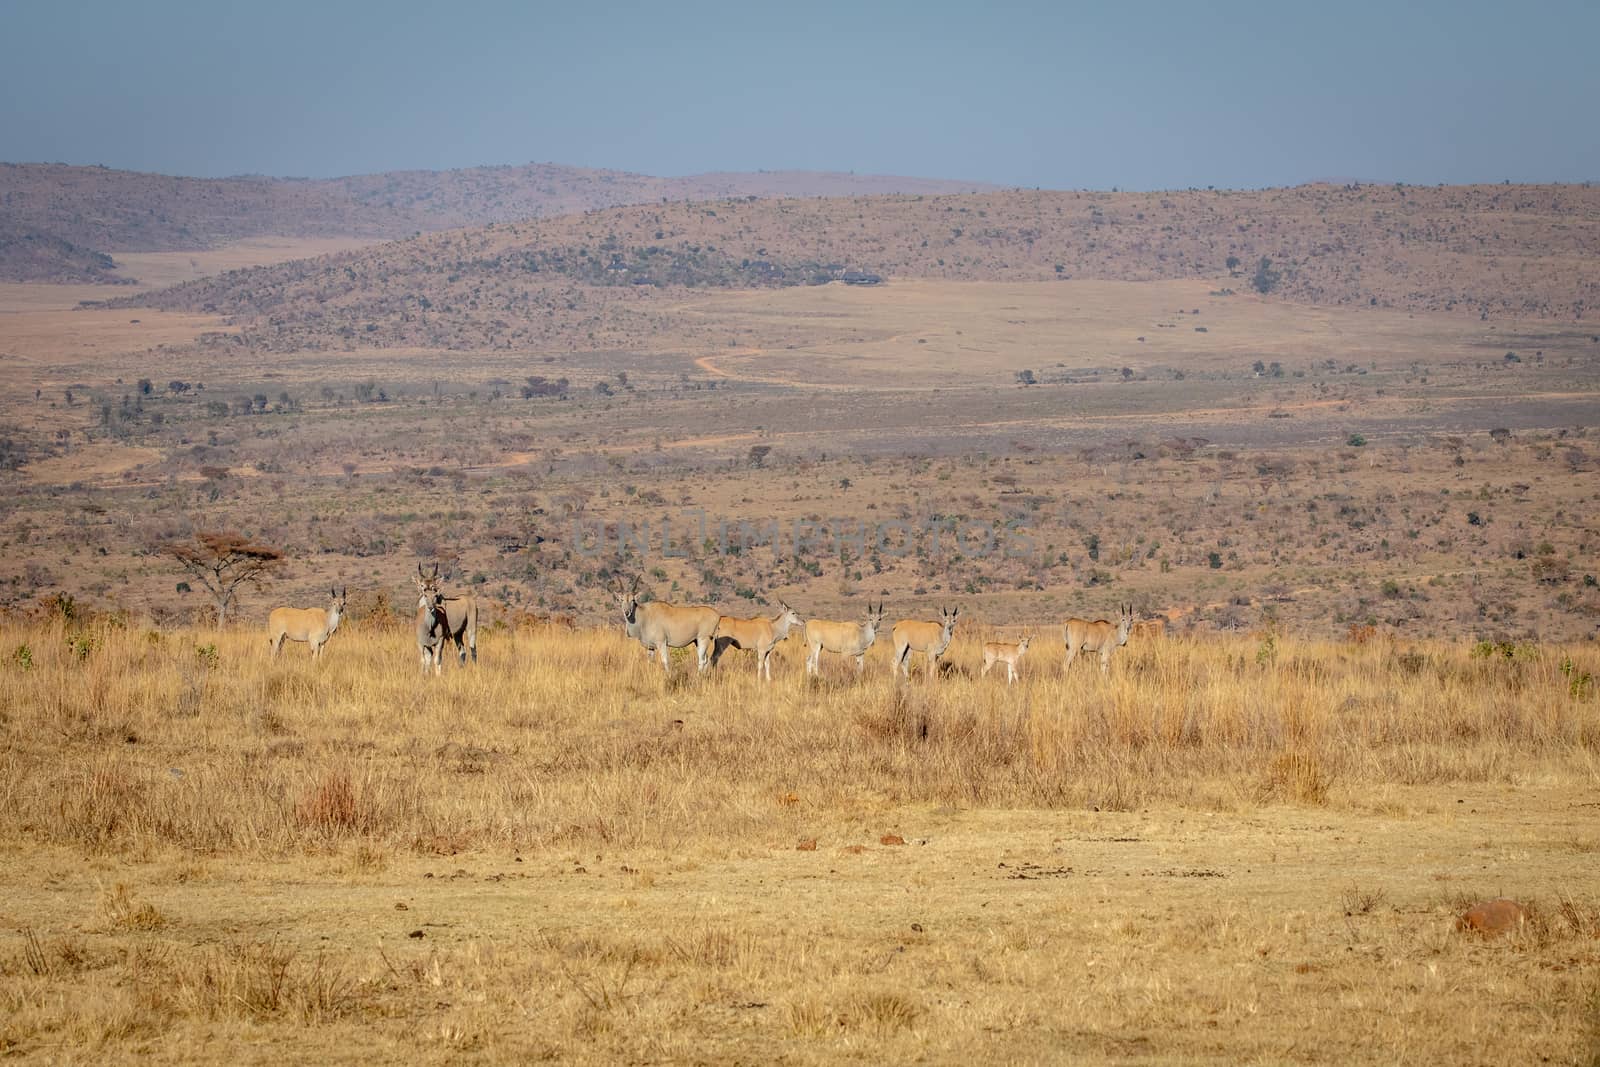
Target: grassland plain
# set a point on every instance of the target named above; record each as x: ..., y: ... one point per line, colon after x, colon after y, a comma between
x: 1368, y: 518
x: 1225, y: 851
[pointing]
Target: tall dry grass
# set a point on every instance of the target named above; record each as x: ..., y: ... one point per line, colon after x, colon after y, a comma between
x: 124, y: 739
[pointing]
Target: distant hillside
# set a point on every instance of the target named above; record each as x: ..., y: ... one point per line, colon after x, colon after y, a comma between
x: 27, y: 255
x: 1527, y: 251
x: 109, y: 211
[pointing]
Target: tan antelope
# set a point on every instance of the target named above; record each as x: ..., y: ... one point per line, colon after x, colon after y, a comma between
x: 1149, y: 628
x: 1098, y: 636
x: 842, y: 638
x: 760, y: 635
x: 312, y: 625
x: 661, y: 627
x: 1000, y: 652
x: 431, y: 627
x: 460, y: 615
x: 929, y: 638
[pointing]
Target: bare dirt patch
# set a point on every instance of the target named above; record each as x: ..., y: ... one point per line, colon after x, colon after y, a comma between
x: 95, y: 463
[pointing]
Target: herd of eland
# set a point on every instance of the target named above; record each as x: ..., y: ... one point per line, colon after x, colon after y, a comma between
x: 660, y: 626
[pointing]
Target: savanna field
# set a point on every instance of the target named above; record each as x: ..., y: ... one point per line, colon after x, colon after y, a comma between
x: 1337, y: 438
x: 1248, y: 849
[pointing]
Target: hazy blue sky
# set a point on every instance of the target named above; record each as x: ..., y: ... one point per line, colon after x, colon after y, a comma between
x: 1055, y: 95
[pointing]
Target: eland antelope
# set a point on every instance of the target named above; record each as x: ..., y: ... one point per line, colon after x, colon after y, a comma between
x: 760, y: 635
x: 312, y: 625
x: 431, y: 627
x: 929, y: 638
x: 661, y: 627
x: 1098, y: 636
x: 460, y: 615
x: 1000, y: 652
x: 842, y: 638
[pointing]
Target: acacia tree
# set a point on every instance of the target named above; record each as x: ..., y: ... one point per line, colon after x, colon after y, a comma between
x: 222, y: 561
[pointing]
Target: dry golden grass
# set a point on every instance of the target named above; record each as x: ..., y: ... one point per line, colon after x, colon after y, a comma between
x: 1225, y: 851
x: 570, y: 736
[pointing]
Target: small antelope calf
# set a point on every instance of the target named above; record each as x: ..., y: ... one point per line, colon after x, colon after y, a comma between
x: 312, y: 625
x: 1000, y: 652
x: 1098, y: 636
x: 758, y: 635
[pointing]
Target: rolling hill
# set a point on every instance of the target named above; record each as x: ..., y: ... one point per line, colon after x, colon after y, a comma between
x: 74, y: 212
x: 587, y: 280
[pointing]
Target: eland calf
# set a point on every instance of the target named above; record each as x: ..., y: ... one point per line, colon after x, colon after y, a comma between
x: 1098, y: 636
x: 1000, y: 652
x: 929, y: 638
x: 760, y: 635
x: 312, y: 625
x: 842, y: 638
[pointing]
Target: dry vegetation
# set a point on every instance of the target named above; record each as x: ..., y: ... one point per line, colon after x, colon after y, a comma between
x: 61, y: 221
x: 1378, y: 469
x: 588, y: 282
x: 1211, y: 855
x: 1365, y: 513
